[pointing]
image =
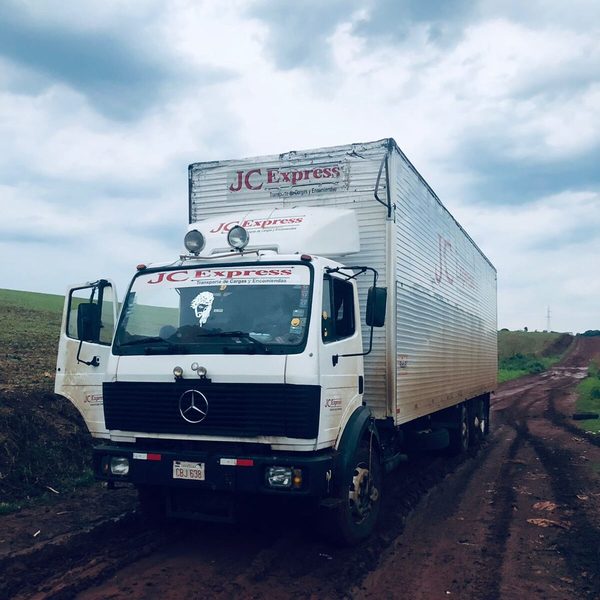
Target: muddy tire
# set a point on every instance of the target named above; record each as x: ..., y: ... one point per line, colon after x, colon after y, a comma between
x: 478, y: 420
x: 355, y: 517
x: 460, y: 434
x: 486, y: 413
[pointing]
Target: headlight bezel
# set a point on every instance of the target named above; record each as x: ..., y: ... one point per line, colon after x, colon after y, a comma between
x: 194, y: 241
x: 238, y: 237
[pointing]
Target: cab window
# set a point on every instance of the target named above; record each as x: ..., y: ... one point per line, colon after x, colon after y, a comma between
x: 337, y: 318
x: 100, y: 299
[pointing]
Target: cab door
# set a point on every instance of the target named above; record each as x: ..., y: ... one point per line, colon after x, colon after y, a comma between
x: 89, y: 318
x: 341, y: 362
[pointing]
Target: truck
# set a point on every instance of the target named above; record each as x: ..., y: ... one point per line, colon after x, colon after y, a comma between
x: 326, y: 318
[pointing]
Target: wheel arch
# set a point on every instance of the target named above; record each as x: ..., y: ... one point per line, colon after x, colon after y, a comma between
x: 360, y: 426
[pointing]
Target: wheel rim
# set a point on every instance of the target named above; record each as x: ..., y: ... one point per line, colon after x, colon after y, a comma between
x: 479, y: 421
x: 362, y: 494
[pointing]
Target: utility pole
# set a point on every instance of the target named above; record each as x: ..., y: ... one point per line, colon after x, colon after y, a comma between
x: 548, y: 320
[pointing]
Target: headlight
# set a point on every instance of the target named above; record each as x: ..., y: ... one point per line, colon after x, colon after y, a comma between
x: 279, y: 477
x: 238, y: 237
x: 194, y: 241
x: 119, y: 465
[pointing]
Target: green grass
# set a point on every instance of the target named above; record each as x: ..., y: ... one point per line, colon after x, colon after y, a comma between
x: 511, y: 343
x: 29, y: 331
x: 523, y: 353
x: 589, y: 398
x: 32, y: 300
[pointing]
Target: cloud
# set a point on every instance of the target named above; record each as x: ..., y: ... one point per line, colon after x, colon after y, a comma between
x: 123, y: 67
x: 546, y: 254
x: 496, y: 103
x: 393, y: 21
x: 298, y: 32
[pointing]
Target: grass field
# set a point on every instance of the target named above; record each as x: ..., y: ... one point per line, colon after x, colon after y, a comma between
x: 522, y: 352
x: 32, y: 300
x: 589, y: 398
x: 29, y: 330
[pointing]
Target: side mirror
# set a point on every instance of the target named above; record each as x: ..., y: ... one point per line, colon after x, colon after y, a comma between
x: 376, y: 303
x: 88, y: 322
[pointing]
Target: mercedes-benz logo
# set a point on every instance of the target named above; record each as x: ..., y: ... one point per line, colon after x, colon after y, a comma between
x: 193, y: 406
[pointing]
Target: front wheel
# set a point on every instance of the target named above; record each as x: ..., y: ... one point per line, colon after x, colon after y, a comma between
x: 355, y: 516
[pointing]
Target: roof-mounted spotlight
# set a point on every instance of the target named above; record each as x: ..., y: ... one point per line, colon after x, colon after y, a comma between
x: 238, y: 237
x: 194, y: 241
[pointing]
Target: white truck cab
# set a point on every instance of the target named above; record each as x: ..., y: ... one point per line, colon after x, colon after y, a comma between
x: 235, y: 346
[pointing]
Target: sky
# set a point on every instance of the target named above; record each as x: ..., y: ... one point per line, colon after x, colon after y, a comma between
x: 104, y: 103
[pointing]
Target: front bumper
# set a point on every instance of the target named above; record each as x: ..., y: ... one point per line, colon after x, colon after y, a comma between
x: 243, y: 473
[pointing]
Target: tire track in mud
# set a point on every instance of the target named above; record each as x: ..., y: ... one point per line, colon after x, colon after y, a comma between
x: 580, y: 544
x: 61, y: 567
x: 279, y: 558
x: 488, y: 586
x: 561, y: 420
x: 281, y: 562
x: 557, y: 465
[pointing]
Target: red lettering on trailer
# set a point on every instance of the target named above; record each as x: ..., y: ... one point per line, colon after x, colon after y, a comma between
x: 255, y: 179
x: 441, y: 269
x: 247, y: 179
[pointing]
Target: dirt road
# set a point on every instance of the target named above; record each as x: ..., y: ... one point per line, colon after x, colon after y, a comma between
x: 518, y: 517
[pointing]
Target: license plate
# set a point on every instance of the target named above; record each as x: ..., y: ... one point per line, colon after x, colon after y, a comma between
x: 188, y: 470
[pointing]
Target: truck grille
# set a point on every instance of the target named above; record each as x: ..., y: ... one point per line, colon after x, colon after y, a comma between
x: 244, y: 410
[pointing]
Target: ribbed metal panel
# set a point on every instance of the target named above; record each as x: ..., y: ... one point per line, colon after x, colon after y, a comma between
x: 359, y: 164
x: 446, y: 303
x: 440, y: 345
x: 241, y: 410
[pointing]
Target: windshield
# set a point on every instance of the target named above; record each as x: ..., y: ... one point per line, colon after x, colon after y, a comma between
x: 260, y: 309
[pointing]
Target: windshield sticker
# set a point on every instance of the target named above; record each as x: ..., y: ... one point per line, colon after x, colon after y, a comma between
x: 202, y: 305
x: 233, y: 276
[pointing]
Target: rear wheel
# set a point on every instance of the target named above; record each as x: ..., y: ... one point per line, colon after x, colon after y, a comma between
x: 486, y: 414
x: 360, y: 499
x: 460, y: 433
x: 478, y: 420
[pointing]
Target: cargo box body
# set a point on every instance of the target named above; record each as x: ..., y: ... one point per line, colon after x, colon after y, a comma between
x: 438, y: 346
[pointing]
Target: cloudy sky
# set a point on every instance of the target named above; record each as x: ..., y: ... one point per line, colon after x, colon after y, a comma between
x: 104, y: 103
